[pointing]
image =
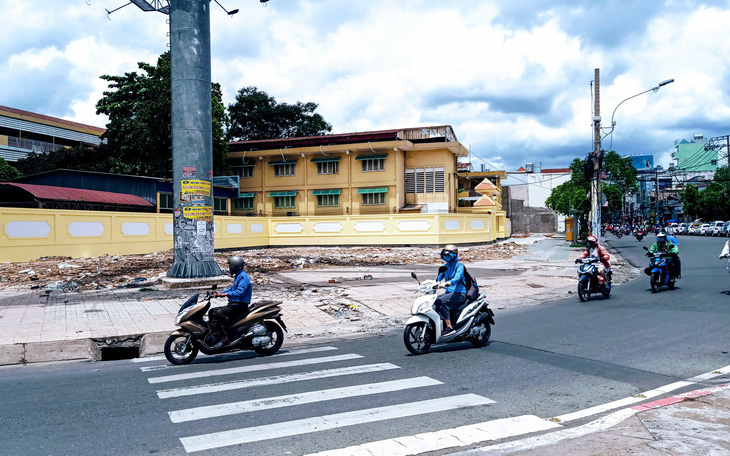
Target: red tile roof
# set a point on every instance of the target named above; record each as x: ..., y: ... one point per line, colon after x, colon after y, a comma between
x: 49, y: 192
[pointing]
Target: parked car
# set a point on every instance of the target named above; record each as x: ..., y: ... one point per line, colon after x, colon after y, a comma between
x: 682, y: 228
x: 717, y: 228
x: 693, y: 229
x: 705, y: 229
x: 726, y: 229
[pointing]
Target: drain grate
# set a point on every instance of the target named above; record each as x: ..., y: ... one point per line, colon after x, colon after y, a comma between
x: 118, y: 353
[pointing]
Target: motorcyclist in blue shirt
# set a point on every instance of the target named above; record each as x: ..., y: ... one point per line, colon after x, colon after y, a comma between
x: 677, y: 261
x: 452, y: 273
x: 239, y: 297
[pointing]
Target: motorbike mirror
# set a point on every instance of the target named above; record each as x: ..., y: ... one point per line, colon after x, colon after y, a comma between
x: 644, y: 247
x: 214, y: 287
x: 413, y: 274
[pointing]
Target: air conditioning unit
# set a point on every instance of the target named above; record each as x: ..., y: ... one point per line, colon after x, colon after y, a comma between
x: 291, y: 214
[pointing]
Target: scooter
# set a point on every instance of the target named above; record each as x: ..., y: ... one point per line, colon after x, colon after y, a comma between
x: 474, y: 320
x: 658, y: 271
x: 589, y: 281
x: 260, y: 330
x: 639, y: 235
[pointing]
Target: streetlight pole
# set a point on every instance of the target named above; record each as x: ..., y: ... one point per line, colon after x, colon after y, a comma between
x: 598, y: 153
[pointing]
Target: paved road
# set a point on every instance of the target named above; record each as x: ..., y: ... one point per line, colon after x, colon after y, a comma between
x: 544, y: 361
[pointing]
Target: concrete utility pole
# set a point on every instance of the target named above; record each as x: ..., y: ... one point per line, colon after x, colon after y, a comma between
x: 192, y: 140
x: 597, y: 160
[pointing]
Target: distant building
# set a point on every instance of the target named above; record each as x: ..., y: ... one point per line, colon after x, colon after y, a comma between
x: 692, y: 157
x: 388, y: 171
x: 526, y: 191
x: 23, y: 132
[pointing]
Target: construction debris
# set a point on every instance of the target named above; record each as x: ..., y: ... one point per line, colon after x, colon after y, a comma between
x: 142, y: 270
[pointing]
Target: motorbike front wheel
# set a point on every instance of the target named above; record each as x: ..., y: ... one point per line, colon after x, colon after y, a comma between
x: 584, y: 292
x: 179, y: 350
x: 277, y: 338
x: 417, y: 339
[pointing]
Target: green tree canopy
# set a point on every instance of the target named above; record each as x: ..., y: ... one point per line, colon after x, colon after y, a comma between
x: 256, y: 115
x: 8, y: 172
x: 712, y: 203
x: 139, y: 130
x: 620, y: 172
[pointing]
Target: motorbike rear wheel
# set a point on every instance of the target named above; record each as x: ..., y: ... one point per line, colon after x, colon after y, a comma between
x: 584, y: 293
x: 655, y: 282
x: 277, y: 338
x: 417, y: 338
x: 606, y: 292
x: 178, y: 350
x: 483, y: 337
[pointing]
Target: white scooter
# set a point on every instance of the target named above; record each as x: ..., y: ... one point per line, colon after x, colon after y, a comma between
x: 473, y: 321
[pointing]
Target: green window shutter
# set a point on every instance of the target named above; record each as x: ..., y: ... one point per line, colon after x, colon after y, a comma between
x: 247, y: 195
x: 365, y: 191
x: 371, y: 157
x: 326, y: 192
x: 279, y: 194
x: 325, y: 159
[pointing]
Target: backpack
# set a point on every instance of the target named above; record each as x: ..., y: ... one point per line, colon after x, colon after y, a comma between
x: 472, y: 288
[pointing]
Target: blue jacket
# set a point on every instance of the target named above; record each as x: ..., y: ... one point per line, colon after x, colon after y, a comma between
x: 455, y: 274
x: 241, y: 289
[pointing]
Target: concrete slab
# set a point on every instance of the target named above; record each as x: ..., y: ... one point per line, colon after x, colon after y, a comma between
x: 12, y: 354
x: 41, y: 352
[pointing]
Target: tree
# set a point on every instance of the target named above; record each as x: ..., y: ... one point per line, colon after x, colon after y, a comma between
x: 139, y: 130
x: 8, y: 172
x: 570, y: 198
x: 78, y: 157
x: 256, y: 115
x: 690, y: 197
x: 712, y: 203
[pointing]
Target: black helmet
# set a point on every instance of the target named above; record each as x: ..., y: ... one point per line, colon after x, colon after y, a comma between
x: 235, y: 264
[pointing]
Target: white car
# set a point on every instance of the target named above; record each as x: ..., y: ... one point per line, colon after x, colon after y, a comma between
x: 705, y: 229
x: 717, y: 228
x: 682, y: 228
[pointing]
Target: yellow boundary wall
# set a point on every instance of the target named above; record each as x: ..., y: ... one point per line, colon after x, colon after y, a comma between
x: 28, y: 234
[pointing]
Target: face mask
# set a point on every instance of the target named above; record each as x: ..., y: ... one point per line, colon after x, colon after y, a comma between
x: 447, y: 257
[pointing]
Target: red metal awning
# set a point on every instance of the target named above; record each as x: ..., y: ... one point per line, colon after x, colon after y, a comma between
x: 52, y: 193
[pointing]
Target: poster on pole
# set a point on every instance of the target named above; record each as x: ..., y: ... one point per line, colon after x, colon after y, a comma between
x: 195, y: 187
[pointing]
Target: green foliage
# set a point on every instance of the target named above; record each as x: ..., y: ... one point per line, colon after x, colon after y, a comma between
x: 8, y: 172
x: 614, y: 196
x: 78, y: 157
x: 570, y: 197
x: 256, y: 115
x: 139, y: 109
x: 620, y: 172
x: 712, y: 203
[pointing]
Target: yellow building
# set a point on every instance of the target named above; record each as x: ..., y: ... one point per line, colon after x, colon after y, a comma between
x: 390, y: 171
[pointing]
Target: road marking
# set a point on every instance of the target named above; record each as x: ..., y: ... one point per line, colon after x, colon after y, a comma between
x: 628, y: 401
x: 289, y: 400
x: 297, y: 427
x: 253, y: 368
x: 600, y: 424
x: 448, y: 438
x: 274, y: 380
x: 284, y: 353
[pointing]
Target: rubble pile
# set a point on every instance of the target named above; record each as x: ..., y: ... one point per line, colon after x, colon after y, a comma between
x: 67, y: 274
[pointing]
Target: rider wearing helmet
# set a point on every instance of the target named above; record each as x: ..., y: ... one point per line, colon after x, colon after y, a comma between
x: 239, y: 297
x: 663, y: 245
x: 453, y: 274
x: 594, y: 249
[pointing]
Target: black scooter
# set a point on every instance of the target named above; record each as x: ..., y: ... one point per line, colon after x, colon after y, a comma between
x: 589, y: 281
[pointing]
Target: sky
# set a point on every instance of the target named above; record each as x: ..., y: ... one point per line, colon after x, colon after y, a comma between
x: 513, y: 78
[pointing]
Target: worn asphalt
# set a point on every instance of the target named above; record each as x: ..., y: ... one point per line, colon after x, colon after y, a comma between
x: 52, y: 325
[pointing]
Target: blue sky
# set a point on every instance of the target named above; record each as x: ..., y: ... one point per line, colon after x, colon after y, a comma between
x: 512, y: 77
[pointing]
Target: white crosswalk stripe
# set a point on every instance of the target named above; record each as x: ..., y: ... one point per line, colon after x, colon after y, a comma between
x: 290, y: 400
x: 252, y: 368
x: 297, y: 427
x: 347, y: 388
x: 278, y: 379
x: 282, y: 353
